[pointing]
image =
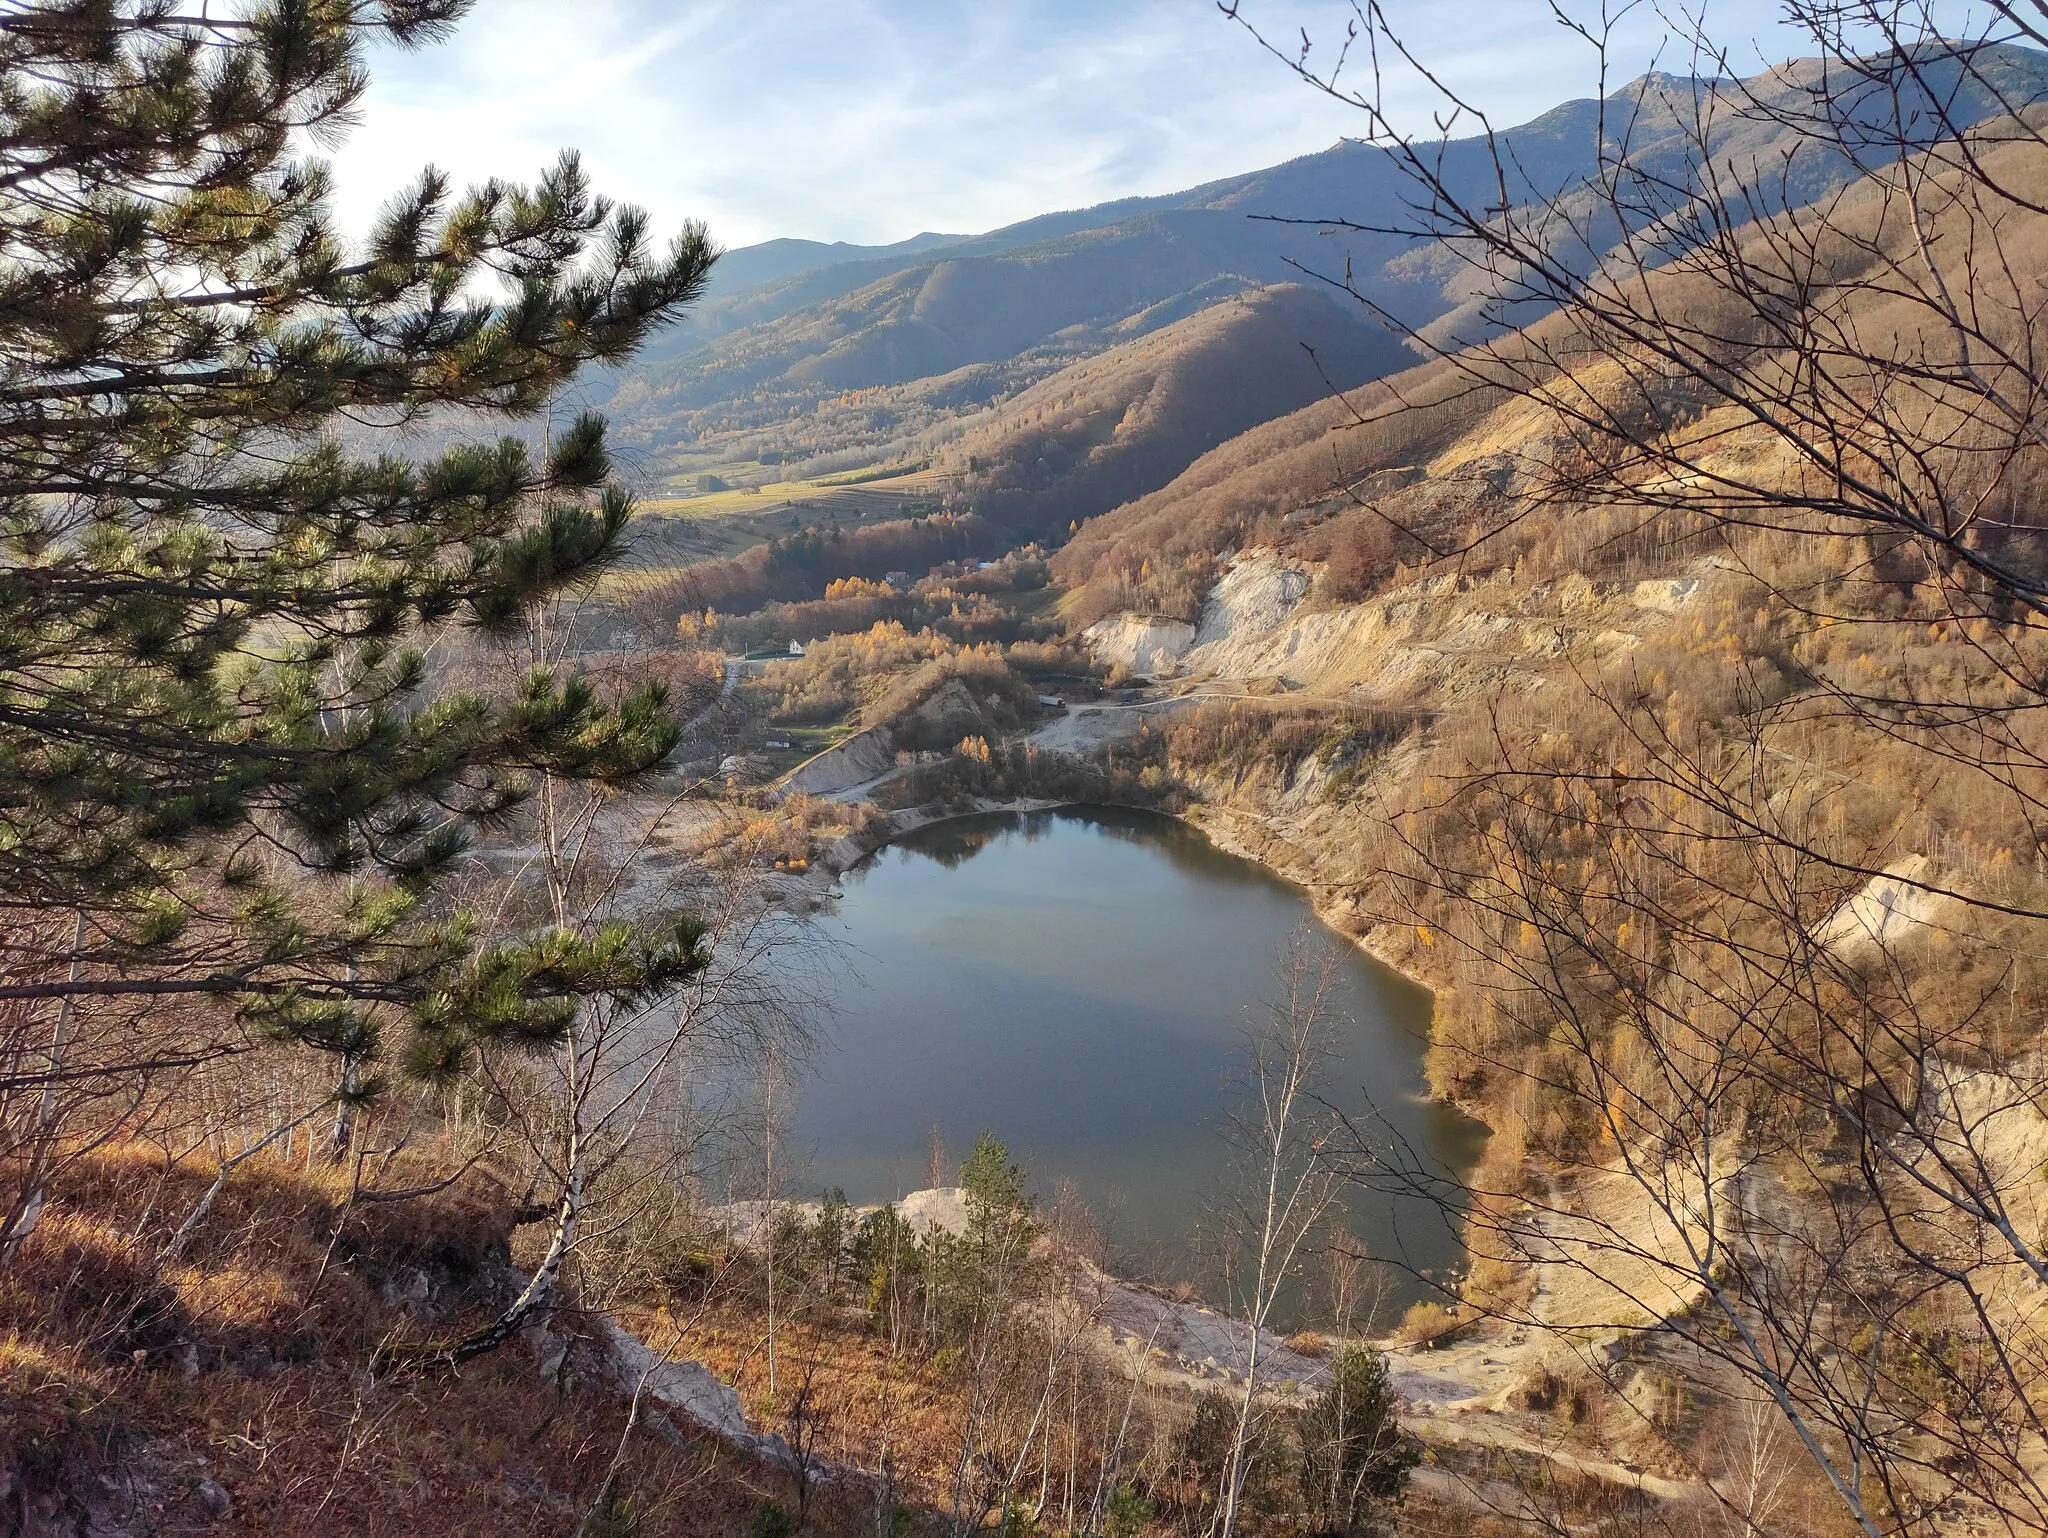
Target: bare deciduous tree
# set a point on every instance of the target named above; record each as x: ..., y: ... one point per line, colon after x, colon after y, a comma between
x: 1285, y: 1190
x: 1747, y: 973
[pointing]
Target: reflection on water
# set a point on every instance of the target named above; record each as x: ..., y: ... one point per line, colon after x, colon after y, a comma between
x: 1080, y: 983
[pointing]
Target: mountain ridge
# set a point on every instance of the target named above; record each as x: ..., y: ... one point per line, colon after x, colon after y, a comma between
x: 767, y: 356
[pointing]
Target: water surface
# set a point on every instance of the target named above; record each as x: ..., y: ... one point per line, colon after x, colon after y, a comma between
x: 1080, y: 983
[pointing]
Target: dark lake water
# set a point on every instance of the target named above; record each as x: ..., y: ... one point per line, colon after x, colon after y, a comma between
x: 1080, y: 983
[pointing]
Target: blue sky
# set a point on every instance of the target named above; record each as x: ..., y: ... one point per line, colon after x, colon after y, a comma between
x: 870, y: 120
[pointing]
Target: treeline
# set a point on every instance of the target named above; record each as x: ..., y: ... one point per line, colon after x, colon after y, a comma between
x: 887, y: 672
x: 1129, y: 774
x: 958, y: 599
x: 1279, y: 737
x: 800, y: 566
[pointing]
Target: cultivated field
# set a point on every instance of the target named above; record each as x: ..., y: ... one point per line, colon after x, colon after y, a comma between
x: 674, y: 530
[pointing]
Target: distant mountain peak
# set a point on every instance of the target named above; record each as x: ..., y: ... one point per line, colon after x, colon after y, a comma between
x: 796, y: 331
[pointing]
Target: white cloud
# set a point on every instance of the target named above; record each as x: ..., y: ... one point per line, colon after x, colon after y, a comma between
x: 870, y: 120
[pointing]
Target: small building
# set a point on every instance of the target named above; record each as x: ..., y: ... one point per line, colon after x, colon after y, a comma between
x: 1052, y: 702
x: 897, y: 579
x: 796, y: 648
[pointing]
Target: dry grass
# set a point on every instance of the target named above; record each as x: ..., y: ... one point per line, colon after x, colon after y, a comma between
x: 1429, y: 1323
x: 866, y: 1401
x: 245, y: 1361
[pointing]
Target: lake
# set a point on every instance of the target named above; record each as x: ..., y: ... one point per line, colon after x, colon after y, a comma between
x: 1080, y: 983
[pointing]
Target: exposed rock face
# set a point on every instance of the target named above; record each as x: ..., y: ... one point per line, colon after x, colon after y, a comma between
x: 598, y: 1349
x: 1432, y: 640
x: 942, y: 1209
x: 1666, y: 595
x: 1171, y: 1340
x: 1891, y: 908
x: 152, y: 1488
x: 1145, y: 643
x: 1255, y: 596
x: 855, y: 761
x: 687, y: 1389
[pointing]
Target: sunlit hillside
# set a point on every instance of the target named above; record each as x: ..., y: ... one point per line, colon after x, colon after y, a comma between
x: 933, y: 332
x: 1359, y: 853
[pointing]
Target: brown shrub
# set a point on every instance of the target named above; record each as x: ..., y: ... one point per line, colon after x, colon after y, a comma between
x: 1431, y: 1324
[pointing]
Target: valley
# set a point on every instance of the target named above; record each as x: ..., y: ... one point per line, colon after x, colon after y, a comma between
x: 1358, y: 643
x: 1357, y: 851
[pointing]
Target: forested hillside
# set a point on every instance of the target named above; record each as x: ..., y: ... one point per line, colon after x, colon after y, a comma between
x: 934, y: 339
x: 1620, y: 603
x: 1662, y: 681
x: 1107, y: 430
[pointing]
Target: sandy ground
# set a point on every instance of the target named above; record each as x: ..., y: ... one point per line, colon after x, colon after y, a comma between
x: 1085, y: 728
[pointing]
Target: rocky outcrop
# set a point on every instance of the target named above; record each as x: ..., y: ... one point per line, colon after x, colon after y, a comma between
x: 1432, y: 640
x: 941, y: 1209
x: 118, y: 1488
x: 1147, y: 644
x: 685, y: 1389
x: 862, y: 757
x: 1257, y: 594
x: 1186, y: 1343
x: 1892, y: 908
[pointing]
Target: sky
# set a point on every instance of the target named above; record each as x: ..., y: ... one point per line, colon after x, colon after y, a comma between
x: 873, y: 120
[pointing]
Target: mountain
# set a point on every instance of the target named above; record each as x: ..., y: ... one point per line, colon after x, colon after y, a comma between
x: 932, y: 332
x: 754, y: 266
x: 1113, y: 427
x: 1341, y: 486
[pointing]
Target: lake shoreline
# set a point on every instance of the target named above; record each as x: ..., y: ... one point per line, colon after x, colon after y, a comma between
x: 1114, y: 935
x: 898, y: 825
x: 1462, y: 1393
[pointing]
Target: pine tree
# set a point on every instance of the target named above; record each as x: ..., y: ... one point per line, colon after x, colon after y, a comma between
x: 1355, y: 1459
x: 222, y: 756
